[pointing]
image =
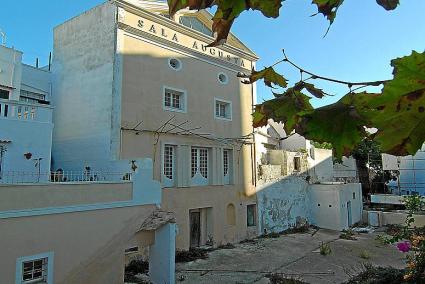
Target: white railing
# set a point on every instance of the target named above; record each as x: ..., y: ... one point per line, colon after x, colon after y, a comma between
x: 24, y: 111
x: 17, y: 177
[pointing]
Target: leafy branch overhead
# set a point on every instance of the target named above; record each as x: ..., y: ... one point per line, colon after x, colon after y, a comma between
x: 397, y: 114
x: 228, y: 10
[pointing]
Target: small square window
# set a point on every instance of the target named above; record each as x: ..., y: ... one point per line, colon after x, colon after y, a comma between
x: 34, y: 271
x: 251, y: 215
x: 174, y: 100
x: 354, y: 195
x: 223, y: 109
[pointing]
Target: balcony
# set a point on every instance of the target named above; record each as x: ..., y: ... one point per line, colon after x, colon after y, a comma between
x: 23, y: 111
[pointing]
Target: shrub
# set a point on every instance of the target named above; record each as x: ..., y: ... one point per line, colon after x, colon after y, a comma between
x: 378, y: 275
x: 278, y: 278
x: 364, y: 254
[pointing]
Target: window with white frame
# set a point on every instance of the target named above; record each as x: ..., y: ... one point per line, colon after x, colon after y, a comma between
x: 174, y: 100
x: 169, y: 165
x: 223, y: 109
x: 199, y: 166
x: 227, y: 165
x: 35, y: 269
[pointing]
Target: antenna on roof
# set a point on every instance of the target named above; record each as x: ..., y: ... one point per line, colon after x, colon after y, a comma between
x: 3, y: 37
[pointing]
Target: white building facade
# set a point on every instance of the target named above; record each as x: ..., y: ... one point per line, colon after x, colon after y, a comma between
x: 25, y: 120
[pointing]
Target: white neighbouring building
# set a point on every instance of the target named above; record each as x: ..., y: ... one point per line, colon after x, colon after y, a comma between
x: 25, y: 119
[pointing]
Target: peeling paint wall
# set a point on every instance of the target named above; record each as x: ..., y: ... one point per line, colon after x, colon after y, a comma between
x: 281, y: 203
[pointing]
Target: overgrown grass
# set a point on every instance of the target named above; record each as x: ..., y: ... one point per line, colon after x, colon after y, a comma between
x: 133, y: 268
x: 278, y: 278
x: 347, y: 235
x: 378, y: 275
x: 325, y: 249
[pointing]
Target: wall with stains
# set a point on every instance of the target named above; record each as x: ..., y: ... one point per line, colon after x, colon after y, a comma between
x: 280, y: 204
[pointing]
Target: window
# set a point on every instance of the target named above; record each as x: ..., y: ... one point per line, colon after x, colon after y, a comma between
x: 175, y: 64
x: 174, y: 100
x: 297, y: 164
x: 227, y: 165
x: 195, y: 24
x: 4, y: 94
x: 31, y: 97
x: 35, y: 269
x: 222, y: 78
x: 251, y: 215
x: 199, y: 166
x: 168, y: 165
x: 223, y: 109
x: 354, y: 195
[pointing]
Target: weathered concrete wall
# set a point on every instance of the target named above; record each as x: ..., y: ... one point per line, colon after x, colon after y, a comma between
x: 321, y: 167
x: 269, y: 173
x: 84, y: 53
x: 329, y: 205
x: 325, y: 205
x: 281, y: 203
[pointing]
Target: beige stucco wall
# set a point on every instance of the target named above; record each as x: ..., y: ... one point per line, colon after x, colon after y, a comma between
x: 88, y: 246
x: 30, y: 196
x: 145, y: 72
x: 181, y: 200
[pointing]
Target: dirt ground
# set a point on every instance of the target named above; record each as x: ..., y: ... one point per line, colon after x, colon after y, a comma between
x: 295, y: 255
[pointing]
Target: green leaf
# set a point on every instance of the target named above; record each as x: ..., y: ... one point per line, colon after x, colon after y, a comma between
x: 328, y: 8
x: 339, y: 124
x: 269, y: 76
x: 318, y: 93
x: 399, y: 112
x: 388, y: 4
x: 288, y: 108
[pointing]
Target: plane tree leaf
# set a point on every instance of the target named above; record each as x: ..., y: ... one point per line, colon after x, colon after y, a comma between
x: 340, y: 124
x: 399, y: 112
x: 328, y: 8
x: 287, y: 108
x: 269, y: 76
x: 388, y: 4
x: 313, y: 90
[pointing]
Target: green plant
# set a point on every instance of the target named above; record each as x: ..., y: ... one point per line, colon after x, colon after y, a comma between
x: 347, y: 235
x: 279, y: 278
x: 325, y: 249
x: 364, y: 254
x: 412, y: 239
x: 377, y: 275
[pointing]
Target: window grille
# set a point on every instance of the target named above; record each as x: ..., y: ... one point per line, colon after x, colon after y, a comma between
x: 169, y: 161
x: 226, y: 162
x: 34, y: 271
x: 194, y: 162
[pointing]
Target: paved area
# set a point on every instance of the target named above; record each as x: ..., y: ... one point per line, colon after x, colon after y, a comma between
x: 295, y: 255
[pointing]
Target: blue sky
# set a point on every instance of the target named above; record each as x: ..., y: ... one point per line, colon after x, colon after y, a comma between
x: 359, y: 46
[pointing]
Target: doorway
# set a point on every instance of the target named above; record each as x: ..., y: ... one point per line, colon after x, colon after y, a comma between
x: 350, y: 220
x: 195, y: 228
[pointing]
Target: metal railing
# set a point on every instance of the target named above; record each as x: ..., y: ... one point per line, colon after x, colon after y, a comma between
x: 19, y: 177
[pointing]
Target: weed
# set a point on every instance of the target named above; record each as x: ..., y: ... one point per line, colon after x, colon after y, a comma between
x: 347, y: 235
x: 278, y: 278
x: 364, y: 254
x: 325, y: 249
